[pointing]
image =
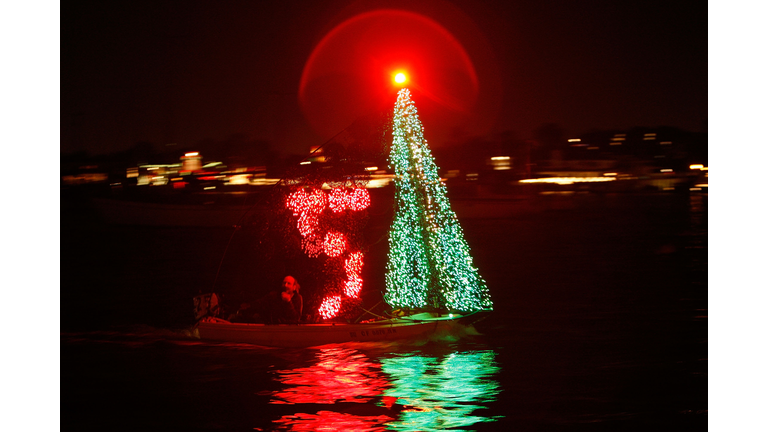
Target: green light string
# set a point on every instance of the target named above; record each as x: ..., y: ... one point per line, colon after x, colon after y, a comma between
x: 429, y: 262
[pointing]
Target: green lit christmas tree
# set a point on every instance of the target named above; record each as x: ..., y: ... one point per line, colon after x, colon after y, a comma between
x: 429, y: 264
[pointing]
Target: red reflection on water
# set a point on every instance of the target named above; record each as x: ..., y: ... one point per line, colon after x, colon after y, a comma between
x: 340, y: 375
x: 334, y: 421
x: 346, y: 383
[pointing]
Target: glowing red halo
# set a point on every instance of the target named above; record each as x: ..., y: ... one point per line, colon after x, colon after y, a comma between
x: 349, y: 72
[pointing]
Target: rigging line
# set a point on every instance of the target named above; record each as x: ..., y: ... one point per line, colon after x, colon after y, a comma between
x: 237, y: 225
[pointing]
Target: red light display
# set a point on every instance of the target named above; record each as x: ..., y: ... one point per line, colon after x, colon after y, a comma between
x: 310, y: 209
x: 330, y: 307
x: 337, y: 200
x: 359, y: 199
x: 353, y: 286
x: 335, y: 244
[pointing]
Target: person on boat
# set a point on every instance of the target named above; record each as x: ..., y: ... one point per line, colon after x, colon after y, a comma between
x: 278, y: 307
x: 284, y: 306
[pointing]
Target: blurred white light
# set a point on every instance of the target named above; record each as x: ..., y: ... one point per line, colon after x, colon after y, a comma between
x: 569, y: 180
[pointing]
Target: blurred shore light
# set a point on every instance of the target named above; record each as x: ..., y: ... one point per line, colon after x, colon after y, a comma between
x: 568, y: 180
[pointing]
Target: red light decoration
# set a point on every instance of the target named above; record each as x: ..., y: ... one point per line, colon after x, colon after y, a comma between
x: 337, y: 200
x: 302, y: 202
x: 307, y: 224
x: 312, y: 246
x: 330, y: 307
x: 309, y: 207
x: 335, y: 243
x: 359, y: 199
x: 353, y: 286
x: 353, y: 266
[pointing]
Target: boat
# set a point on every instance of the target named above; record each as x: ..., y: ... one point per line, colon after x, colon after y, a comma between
x: 420, y: 326
x: 432, y: 286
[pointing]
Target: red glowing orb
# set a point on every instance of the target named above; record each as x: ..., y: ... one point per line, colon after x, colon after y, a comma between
x: 349, y: 74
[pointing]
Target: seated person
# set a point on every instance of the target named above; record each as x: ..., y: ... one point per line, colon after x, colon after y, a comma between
x: 278, y: 307
x: 285, y: 306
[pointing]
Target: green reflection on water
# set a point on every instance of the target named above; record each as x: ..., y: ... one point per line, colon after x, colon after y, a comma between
x: 442, y: 393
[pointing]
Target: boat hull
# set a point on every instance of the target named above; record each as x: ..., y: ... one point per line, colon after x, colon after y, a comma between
x: 307, y: 335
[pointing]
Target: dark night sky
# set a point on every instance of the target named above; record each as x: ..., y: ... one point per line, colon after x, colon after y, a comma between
x: 180, y: 72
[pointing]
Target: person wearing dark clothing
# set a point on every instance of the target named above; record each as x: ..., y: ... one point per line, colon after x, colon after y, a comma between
x: 285, y: 306
x: 278, y: 307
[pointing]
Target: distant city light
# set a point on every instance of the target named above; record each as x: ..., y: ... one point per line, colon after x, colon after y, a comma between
x: 667, y: 170
x: 239, y: 179
x: 500, y: 158
x: 574, y: 140
x: 305, y: 163
x: 191, y: 154
x: 568, y: 180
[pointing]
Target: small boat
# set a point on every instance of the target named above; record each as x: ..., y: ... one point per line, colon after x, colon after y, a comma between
x: 414, y: 327
x: 424, y: 232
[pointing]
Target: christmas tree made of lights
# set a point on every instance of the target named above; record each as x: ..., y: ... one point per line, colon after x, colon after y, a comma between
x: 429, y: 264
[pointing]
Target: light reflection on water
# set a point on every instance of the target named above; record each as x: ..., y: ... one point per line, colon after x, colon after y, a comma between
x: 347, y: 390
x: 340, y: 375
x: 446, y: 392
